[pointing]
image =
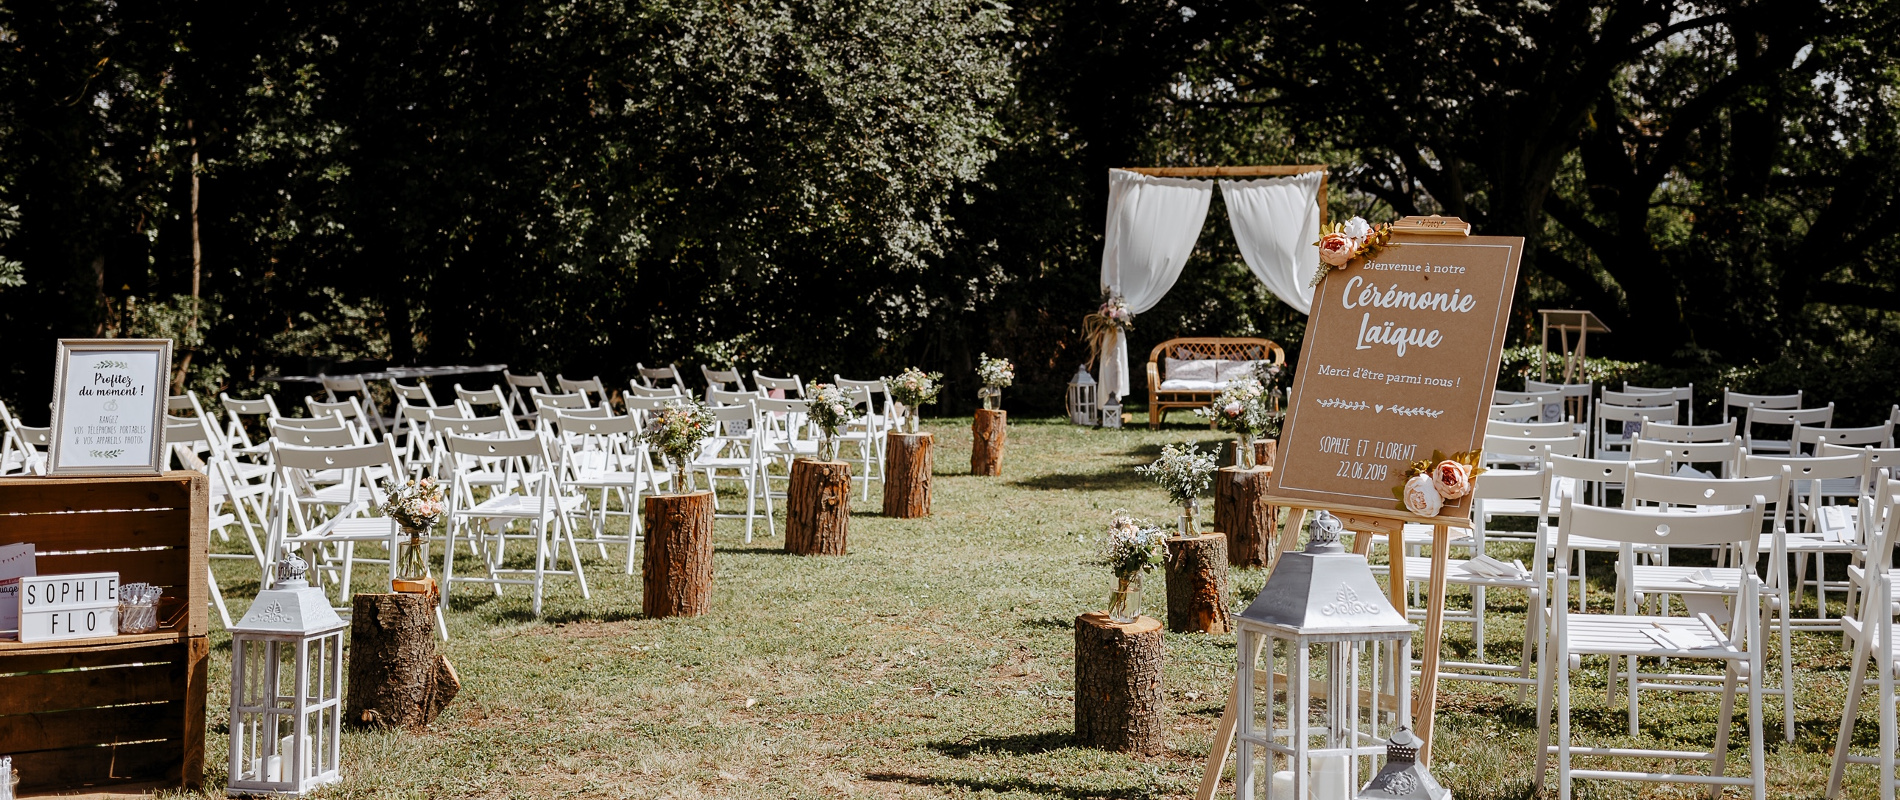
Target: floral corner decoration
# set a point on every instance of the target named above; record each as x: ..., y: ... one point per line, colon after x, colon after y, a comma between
x: 1346, y: 241
x: 1429, y: 485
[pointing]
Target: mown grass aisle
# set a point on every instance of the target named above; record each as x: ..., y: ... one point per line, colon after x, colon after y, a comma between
x: 933, y: 660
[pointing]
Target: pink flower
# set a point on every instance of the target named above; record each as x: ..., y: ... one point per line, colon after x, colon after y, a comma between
x: 1421, y: 496
x: 1451, y: 479
x: 1336, y: 249
x: 1232, y: 409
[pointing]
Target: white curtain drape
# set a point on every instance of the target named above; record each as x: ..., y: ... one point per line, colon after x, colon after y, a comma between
x: 1152, y: 225
x: 1276, y: 222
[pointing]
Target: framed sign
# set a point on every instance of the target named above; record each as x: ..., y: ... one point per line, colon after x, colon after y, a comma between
x: 109, y: 407
x: 1399, y: 361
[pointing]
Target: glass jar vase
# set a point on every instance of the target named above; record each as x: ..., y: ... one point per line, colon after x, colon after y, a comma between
x: 1191, y: 517
x: 682, y: 477
x: 1245, y: 456
x: 1124, y: 601
x: 991, y: 397
x: 412, y: 558
x: 827, y: 446
x: 913, y: 421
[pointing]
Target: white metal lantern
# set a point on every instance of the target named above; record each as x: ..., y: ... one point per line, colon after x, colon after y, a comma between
x: 1344, y: 673
x: 286, y: 689
x: 1082, y: 397
x: 1112, y: 412
x: 1402, y: 777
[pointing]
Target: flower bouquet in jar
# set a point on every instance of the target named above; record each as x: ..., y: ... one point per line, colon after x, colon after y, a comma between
x: 1130, y: 547
x: 677, y: 431
x: 830, y: 409
x: 913, y: 388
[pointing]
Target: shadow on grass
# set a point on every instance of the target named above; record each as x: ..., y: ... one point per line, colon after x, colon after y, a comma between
x: 1100, y: 480
x: 1021, y: 744
x: 1011, y: 785
x: 1050, y: 623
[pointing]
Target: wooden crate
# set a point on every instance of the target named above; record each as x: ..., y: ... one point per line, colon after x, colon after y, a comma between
x: 117, y: 713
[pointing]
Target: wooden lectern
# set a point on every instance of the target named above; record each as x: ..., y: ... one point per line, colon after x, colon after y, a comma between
x: 1566, y: 322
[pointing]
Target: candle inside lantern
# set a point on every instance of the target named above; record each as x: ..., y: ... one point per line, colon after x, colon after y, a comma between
x: 1328, y: 781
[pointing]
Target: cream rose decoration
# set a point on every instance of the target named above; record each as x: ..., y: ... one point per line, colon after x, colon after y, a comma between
x: 1336, y: 249
x: 1357, y: 228
x: 1421, y: 496
x: 1451, y: 479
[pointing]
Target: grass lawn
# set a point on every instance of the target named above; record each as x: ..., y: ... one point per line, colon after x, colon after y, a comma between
x: 934, y: 660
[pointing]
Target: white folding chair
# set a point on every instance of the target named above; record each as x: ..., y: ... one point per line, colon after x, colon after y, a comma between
x: 353, y: 387
x: 585, y: 386
x: 333, y: 519
x: 1684, y: 395
x: 1583, y: 479
x: 474, y: 402
x: 1630, y: 421
x: 792, y: 387
x: 1666, y: 432
x: 735, y: 449
x: 1530, y: 451
x: 1808, y: 440
x: 1817, y: 529
x: 1578, y: 399
x: 351, y: 410
x: 607, y: 459
x: 530, y: 493
x: 1530, y: 430
x: 1575, y: 634
x: 260, y: 411
x: 1789, y: 418
x: 1735, y: 405
x: 655, y: 377
x: 1709, y: 590
x: 1870, y: 628
x: 867, y: 433
x: 1551, y: 403
x: 726, y: 379
x: 1516, y: 412
x: 650, y: 392
x: 783, y: 433
x: 518, y: 387
x: 23, y: 448
x: 574, y: 401
x: 1681, y: 457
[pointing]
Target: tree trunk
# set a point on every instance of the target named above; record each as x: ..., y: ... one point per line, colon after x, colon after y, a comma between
x: 676, y: 567
x: 990, y: 431
x: 1241, y: 511
x: 907, y: 475
x: 818, y: 508
x: 1197, y: 584
x: 1118, y: 700
x: 397, y: 679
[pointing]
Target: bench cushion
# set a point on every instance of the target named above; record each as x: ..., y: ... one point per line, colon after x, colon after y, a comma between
x: 1178, y: 385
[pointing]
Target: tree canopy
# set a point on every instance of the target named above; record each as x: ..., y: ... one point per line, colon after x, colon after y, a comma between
x: 834, y: 186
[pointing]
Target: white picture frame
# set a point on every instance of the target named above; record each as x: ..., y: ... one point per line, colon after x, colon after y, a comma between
x: 109, y: 407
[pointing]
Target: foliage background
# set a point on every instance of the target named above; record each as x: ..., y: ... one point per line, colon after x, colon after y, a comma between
x: 830, y: 186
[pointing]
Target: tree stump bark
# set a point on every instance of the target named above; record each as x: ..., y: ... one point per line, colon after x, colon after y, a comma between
x: 397, y: 679
x: 1264, y: 451
x: 676, y: 568
x: 990, y: 431
x: 818, y: 508
x: 1118, y: 700
x: 1197, y: 584
x: 1241, y: 511
x: 907, y: 475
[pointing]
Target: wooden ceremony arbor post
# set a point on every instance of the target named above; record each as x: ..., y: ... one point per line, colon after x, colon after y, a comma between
x: 1258, y: 171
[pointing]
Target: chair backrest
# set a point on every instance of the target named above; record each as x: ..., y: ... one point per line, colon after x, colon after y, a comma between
x: 417, y: 395
x: 184, y: 430
x: 870, y: 390
x: 1876, y: 458
x: 1809, y: 439
x: 597, y: 412
x: 583, y: 423
x: 1533, y: 448
x: 1820, y: 416
x: 1638, y: 400
x: 181, y: 403
x: 333, y: 422
x: 1655, y: 527
x: 313, y: 437
x: 1631, y: 419
x: 575, y: 400
x: 1686, y: 394
x: 735, y: 420
x: 1588, y: 473
x: 1510, y: 484
x: 583, y: 386
x: 1584, y: 390
x: 1666, y: 432
x: 780, y: 419
x: 349, y: 408
x: 469, y: 399
x: 1516, y: 412
x: 653, y: 377
x: 876, y: 385
x: 728, y: 379
x: 1671, y: 490
x: 473, y: 426
x: 342, y: 383
x: 264, y: 406
x: 1529, y: 430
x: 1502, y: 397
x: 356, y: 456
x: 721, y: 397
x: 655, y: 392
x: 516, y: 383
x: 484, y: 447
x: 1808, y: 473
x: 1728, y: 455
x: 790, y: 387
x: 1734, y: 400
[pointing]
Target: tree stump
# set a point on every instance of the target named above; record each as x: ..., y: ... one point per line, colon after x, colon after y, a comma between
x: 1241, y: 511
x: 1118, y: 698
x: 1264, y: 451
x: 676, y: 568
x: 990, y: 431
x: 818, y: 508
x: 907, y: 475
x: 1197, y: 584
x: 397, y: 679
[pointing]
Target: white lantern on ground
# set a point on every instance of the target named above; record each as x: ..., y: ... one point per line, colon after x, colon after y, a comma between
x: 286, y: 689
x: 1081, y: 399
x: 1322, y: 634
x: 1112, y: 412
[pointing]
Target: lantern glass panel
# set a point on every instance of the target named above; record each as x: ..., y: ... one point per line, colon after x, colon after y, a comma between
x: 285, y: 659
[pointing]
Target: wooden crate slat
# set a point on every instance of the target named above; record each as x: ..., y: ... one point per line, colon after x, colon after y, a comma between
x: 84, y: 727
x: 98, y: 530
x: 76, y: 653
x: 98, y: 766
x: 42, y: 495
x: 46, y: 691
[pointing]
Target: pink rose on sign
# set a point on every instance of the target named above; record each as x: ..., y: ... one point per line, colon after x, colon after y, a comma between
x: 1336, y: 249
x: 1451, y: 479
x: 1421, y: 496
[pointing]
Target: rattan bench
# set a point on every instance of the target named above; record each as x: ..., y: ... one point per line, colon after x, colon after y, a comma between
x: 1182, y: 393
